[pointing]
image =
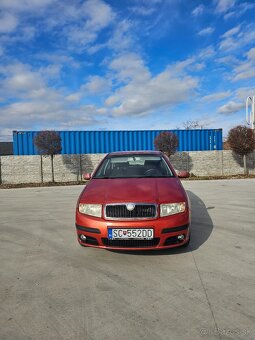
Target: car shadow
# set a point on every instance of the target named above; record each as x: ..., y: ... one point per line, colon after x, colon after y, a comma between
x: 201, y: 228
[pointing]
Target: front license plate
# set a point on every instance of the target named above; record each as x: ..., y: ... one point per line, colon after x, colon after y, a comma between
x: 130, y: 234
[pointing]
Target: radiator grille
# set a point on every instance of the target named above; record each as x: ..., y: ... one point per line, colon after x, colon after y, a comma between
x: 120, y: 211
x: 131, y: 243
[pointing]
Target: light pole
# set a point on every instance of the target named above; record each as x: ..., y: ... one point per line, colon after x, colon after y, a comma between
x: 250, y: 115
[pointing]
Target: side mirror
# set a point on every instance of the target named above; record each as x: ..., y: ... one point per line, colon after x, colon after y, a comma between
x: 87, y: 177
x: 183, y: 174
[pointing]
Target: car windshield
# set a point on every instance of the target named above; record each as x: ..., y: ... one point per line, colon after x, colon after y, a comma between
x: 133, y: 166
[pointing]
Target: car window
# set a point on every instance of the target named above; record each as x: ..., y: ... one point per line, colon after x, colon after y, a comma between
x: 133, y: 166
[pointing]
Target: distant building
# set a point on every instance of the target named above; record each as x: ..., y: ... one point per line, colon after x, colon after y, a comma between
x: 6, y: 148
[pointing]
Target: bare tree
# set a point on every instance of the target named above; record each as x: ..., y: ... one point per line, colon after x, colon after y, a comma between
x: 241, y: 139
x: 48, y: 143
x: 192, y: 124
x: 166, y: 142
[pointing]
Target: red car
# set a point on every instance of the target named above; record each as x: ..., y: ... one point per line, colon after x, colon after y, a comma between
x: 133, y: 201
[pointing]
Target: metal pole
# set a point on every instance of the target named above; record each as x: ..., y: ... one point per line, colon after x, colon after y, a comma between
x: 250, y: 116
x: 253, y: 113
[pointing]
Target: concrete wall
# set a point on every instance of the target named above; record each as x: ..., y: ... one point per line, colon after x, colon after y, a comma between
x: 206, y: 163
x: 37, y: 169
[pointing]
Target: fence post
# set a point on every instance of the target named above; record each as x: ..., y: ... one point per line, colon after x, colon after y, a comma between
x: 222, y: 169
x: 80, y: 167
x: 0, y: 170
x: 41, y: 168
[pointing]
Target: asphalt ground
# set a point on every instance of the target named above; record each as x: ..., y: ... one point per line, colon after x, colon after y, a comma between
x: 52, y: 288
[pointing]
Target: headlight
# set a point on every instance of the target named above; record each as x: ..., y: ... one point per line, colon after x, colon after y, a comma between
x: 172, y: 208
x: 91, y: 209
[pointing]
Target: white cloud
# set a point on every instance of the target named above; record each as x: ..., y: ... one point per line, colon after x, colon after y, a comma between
x: 251, y: 54
x: 198, y: 10
x: 18, y: 78
x: 229, y: 61
x: 198, y: 66
x: 121, y: 38
x: 244, y: 71
x: 58, y: 59
x: 29, y: 100
x: 96, y: 15
x: 238, y: 101
x: 76, y: 24
x: 129, y: 67
x: 229, y: 40
x: 8, y: 23
x: 143, y: 10
x: 51, y: 71
x: 74, y: 97
x: 236, y: 39
x: 206, y: 31
x: 21, y: 81
x: 144, y: 93
x: 246, y: 68
x: 96, y: 85
x: 216, y: 96
x: 207, y: 53
x: 239, y: 10
x: 231, y: 107
x: 223, y: 6
x: 23, y: 115
x: 231, y: 32
x: 25, y: 5
x: 243, y: 92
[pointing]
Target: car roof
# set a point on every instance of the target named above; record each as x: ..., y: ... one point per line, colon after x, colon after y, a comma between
x: 124, y: 153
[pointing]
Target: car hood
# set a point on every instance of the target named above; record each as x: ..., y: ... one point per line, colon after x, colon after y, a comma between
x: 147, y: 190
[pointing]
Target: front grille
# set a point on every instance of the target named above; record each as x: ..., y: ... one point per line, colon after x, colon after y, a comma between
x: 118, y: 211
x: 131, y: 243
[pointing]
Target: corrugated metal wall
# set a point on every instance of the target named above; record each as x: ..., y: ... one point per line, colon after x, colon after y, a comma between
x: 85, y: 142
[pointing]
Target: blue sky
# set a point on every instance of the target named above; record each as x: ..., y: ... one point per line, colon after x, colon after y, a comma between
x: 125, y: 64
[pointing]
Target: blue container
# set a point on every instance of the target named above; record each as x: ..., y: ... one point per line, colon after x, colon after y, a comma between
x: 86, y: 142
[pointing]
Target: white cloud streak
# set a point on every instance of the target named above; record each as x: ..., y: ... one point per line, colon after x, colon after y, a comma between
x: 246, y: 68
x: 8, y: 23
x: 239, y: 10
x: 216, y: 96
x: 199, y: 10
x: 223, y: 6
x: 25, y: 5
x: 231, y: 107
x: 236, y: 38
x: 206, y: 31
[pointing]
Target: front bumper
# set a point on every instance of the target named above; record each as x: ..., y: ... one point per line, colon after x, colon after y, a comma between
x: 166, y: 230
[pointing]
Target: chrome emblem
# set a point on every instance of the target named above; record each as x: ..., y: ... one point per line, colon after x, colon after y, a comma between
x: 130, y: 206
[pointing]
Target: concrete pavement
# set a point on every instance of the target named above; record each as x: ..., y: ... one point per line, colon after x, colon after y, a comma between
x: 51, y: 288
